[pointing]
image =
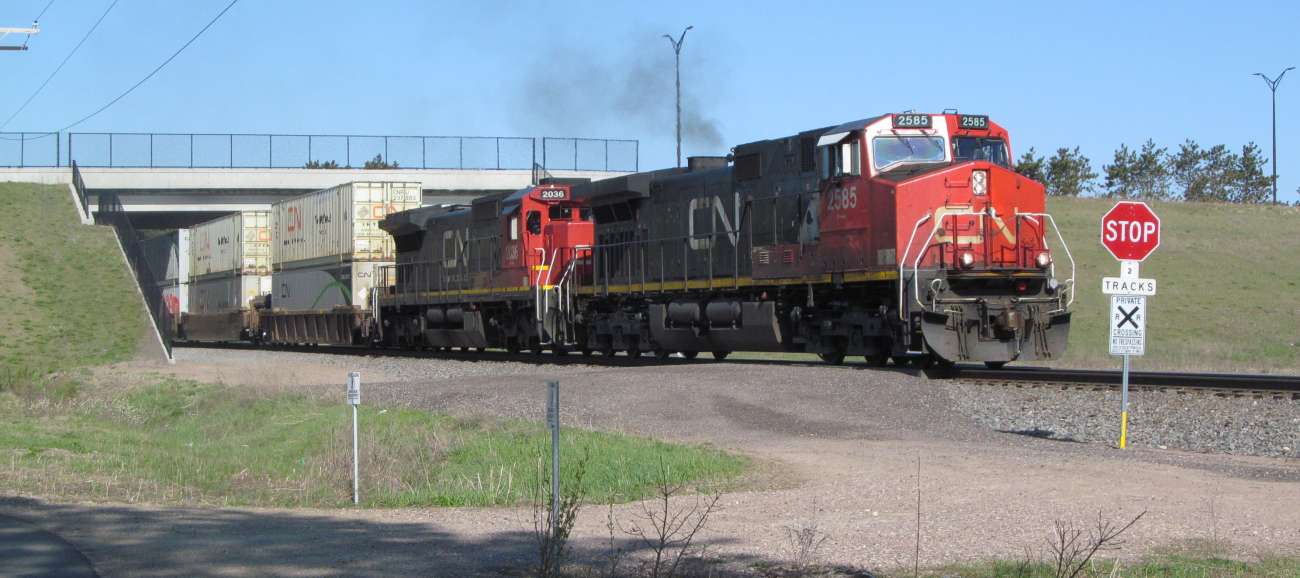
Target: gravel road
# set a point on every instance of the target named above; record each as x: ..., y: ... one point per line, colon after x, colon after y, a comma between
x: 841, y: 447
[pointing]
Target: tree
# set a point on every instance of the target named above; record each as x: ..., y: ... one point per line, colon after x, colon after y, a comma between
x: 1202, y: 174
x: 1249, y: 183
x: 1069, y: 173
x: 378, y: 163
x: 1030, y: 166
x: 1138, y: 174
x: 315, y: 164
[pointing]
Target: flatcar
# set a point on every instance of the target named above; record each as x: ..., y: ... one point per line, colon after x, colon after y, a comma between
x: 904, y: 236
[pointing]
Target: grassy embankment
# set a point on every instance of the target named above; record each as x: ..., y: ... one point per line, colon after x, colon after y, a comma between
x: 70, y: 304
x: 1228, y: 297
x: 67, y: 300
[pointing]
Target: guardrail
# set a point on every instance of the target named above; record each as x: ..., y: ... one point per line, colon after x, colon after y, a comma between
x: 30, y: 149
x: 112, y: 213
x: 79, y: 185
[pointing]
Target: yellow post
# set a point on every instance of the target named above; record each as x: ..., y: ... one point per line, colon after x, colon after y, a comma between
x: 1123, y: 429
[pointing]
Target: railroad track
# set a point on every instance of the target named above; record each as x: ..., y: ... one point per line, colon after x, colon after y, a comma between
x: 1234, y: 383
x: 1228, y: 383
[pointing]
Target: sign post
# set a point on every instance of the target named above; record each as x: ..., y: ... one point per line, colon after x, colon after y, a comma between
x: 1131, y: 232
x: 354, y: 400
x: 553, y: 422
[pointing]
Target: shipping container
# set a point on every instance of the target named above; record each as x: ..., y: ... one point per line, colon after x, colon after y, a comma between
x: 238, y: 243
x: 339, y: 224
x: 325, y: 287
x: 226, y: 292
x: 168, y: 258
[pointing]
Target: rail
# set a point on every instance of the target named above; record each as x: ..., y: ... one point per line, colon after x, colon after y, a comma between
x: 112, y: 213
x: 79, y: 185
x: 1223, y: 381
x: 46, y: 150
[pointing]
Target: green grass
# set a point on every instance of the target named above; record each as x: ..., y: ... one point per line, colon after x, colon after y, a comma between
x: 1229, y: 286
x: 181, y: 442
x: 1182, y: 565
x: 68, y: 299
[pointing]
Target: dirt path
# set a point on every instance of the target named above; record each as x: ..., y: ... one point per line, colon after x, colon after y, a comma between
x: 846, y: 441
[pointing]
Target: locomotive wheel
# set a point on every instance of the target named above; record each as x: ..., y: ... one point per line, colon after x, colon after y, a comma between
x: 721, y: 355
x: 607, y: 350
x: 560, y: 350
x: 512, y: 346
x: 662, y: 354
x: 633, y: 352
x: 690, y: 354
x: 586, y: 352
x: 833, y: 357
x: 903, y: 360
x: 995, y: 364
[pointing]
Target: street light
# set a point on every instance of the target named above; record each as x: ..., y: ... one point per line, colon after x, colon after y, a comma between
x: 1272, y: 87
x: 677, y: 52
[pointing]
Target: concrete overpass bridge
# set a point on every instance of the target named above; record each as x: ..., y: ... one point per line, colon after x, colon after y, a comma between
x: 172, y: 180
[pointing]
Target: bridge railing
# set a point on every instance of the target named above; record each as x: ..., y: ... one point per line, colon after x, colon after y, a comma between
x: 150, y: 282
x: 30, y: 149
x: 211, y: 150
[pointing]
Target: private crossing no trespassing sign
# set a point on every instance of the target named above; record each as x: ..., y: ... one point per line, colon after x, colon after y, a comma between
x: 1128, y: 324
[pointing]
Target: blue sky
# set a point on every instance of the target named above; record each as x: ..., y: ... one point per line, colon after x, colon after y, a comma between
x: 1092, y: 74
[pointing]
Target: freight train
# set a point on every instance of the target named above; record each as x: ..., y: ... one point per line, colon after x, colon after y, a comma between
x: 905, y: 236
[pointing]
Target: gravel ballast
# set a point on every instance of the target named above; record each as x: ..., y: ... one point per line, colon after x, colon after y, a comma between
x: 1263, y: 425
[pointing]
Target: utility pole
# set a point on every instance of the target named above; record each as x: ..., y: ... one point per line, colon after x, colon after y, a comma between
x: 1272, y: 87
x: 4, y: 31
x: 677, y: 52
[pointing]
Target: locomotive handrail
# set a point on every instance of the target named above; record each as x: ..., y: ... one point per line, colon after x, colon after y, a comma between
x: 902, y: 262
x: 916, y: 263
x: 1073, y: 270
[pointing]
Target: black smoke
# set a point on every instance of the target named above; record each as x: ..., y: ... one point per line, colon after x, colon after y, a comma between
x: 570, y: 92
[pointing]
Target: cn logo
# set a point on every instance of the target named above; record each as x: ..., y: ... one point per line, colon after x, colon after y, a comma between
x: 295, y: 219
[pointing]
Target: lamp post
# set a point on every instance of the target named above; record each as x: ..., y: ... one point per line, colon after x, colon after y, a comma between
x: 1272, y: 87
x: 677, y: 53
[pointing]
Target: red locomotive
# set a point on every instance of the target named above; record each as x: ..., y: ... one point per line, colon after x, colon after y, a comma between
x: 904, y: 236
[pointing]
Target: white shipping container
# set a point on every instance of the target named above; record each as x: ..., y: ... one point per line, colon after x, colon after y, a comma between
x: 239, y: 242
x: 339, y: 224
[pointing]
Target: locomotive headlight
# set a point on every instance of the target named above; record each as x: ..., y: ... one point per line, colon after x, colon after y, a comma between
x: 979, y: 182
x: 1044, y: 259
x: 967, y: 260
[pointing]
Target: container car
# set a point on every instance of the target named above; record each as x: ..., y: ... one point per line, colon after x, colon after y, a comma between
x: 167, y: 256
x: 326, y: 256
x: 229, y: 269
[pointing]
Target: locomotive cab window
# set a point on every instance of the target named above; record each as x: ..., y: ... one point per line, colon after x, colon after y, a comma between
x: 889, y: 151
x: 534, y: 222
x: 841, y: 159
x: 561, y: 213
x: 973, y: 148
x: 584, y: 214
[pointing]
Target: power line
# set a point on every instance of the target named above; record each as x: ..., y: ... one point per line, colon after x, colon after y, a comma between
x: 60, y: 67
x: 47, y: 7
x: 155, y: 70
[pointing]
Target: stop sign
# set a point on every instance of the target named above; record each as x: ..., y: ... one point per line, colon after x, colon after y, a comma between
x: 1130, y: 231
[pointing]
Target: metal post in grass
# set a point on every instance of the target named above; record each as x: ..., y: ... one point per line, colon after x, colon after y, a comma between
x: 553, y: 422
x: 354, y: 400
